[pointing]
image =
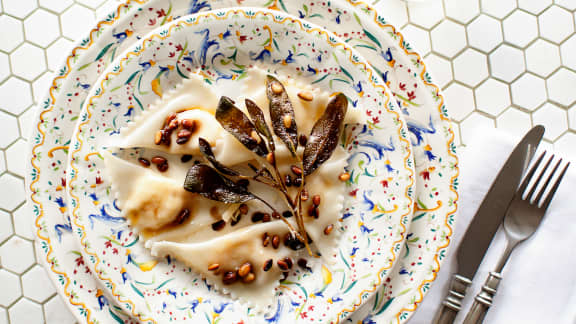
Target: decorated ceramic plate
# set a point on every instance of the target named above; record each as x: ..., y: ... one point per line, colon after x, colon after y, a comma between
x: 436, y: 182
x: 222, y: 46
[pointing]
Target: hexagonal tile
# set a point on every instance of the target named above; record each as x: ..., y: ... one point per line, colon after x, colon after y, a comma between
x: 15, y: 157
x: 5, y: 226
x: 498, y: 8
x: 56, y: 311
x: 472, y: 123
x: 4, y: 67
x: 26, y: 311
x: 440, y: 69
x: 17, y: 254
x: 534, y: 6
x: 572, y: 118
x: 514, y: 121
x: 427, y: 13
x: 567, y: 145
x: 9, y: 127
x: 492, y: 97
x: 459, y: 101
x: 3, y: 316
x: 566, y: 4
x: 418, y: 38
x: 556, y: 24
x: 74, y: 17
x: 19, y: 8
x: 484, y: 33
x: 11, y: 191
x: 15, y: 37
x: 2, y: 162
x: 91, y: 3
x: 507, y: 63
x: 470, y: 67
x: 542, y: 57
x: 561, y: 87
x: 25, y: 120
x: 11, y: 289
x: 529, y: 91
x: 396, y: 12
x: 16, y: 96
x: 28, y: 61
x: 553, y: 118
x: 41, y: 85
x: 36, y: 284
x: 448, y: 38
x: 55, y: 5
x: 57, y: 52
x: 41, y: 27
x: 520, y: 28
x: 23, y: 219
x: 462, y: 10
x: 567, y: 50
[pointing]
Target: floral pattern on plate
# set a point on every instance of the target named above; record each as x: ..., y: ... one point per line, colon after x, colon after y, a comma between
x: 436, y: 180
x: 222, y: 44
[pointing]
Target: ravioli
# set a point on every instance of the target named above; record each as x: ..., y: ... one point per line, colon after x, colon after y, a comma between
x: 212, y: 233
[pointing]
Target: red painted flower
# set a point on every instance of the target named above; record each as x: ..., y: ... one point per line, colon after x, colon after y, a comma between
x: 375, y: 120
x: 411, y: 95
x: 161, y: 13
x: 402, y: 86
x: 425, y: 175
x: 179, y: 47
x: 108, y: 244
x: 304, y: 315
x: 384, y: 183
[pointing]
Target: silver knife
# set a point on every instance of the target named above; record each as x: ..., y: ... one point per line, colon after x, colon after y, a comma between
x: 486, y: 222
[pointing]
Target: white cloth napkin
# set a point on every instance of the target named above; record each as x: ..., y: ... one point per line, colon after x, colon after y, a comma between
x: 539, y: 280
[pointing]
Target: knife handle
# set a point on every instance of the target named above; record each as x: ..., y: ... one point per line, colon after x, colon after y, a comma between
x: 453, y: 301
x: 483, y: 300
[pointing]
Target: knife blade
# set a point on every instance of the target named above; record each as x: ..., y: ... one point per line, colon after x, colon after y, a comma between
x: 485, y: 223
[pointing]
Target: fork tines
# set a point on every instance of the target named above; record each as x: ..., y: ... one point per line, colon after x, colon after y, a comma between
x: 540, y: 195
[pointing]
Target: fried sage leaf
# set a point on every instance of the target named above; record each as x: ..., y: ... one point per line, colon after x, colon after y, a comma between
x: 324, y: 136
x: 282, y: 114
x: 260, y: 122
x: 206, y: 150
x: 239, y: 125
x: 207, y: 182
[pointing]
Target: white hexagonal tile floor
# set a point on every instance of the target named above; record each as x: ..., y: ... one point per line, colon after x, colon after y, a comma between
x: 16, y: 95
x: 534, y: 6
x: 529, y: 91
x: 542, y: 58
x: 520, y: 28
x: 426, y: 15
x: 553, y: 118
x: 11, y: 289
x: 448, y: 38
x: 17, y: 254
x: 462, y: 10
x: 16, y: 35
x: 507, y: 63
x: 561, y: 87
x: 42, y: 27
x: 556, y: 24
x: 492, y: 97
x: 28, y: 61
x: 485, y: 33
x: 471, y: 67
x: 502, y: 63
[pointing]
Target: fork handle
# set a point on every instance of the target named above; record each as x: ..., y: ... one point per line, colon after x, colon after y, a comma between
x: 453, y: 301
x: 483, y: 300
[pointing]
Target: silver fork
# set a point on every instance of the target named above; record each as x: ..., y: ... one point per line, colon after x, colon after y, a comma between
x: 521, y: 221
